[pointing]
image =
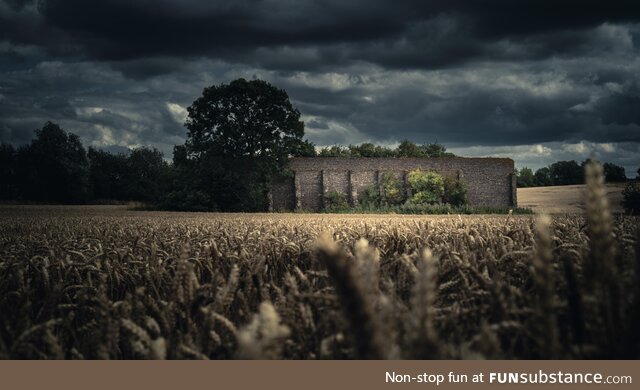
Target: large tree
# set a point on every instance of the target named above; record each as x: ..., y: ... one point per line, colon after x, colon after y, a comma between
x: 140, y: 174
x: 525, y: 177
x: 240, y: 136
x: 566, y: 172
x: 543, y: 177
x: 614, y: 173
x: 146, y: 174
x: 107, y: 175
x: 54, y: 167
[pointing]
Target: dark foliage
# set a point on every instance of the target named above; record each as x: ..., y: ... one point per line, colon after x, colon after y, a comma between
x: 543, y: 177
x: 566, y: 172
x: 614, y: 173
x: 107, y: 174
x: 631, y: 198
x: 525, y: 177
x: 405, y: 149
x: 8, y: 157
x: 53, y: 168
x: 141, y: 175
x: 455, y: 191
x: 240, y: 136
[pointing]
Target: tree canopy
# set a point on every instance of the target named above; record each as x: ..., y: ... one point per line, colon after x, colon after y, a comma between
x: 565, y: 173
x: 406, y: 148
x: 54, y: 167
x: 526, y: 177
x: 244, y: 119
x: 614, y: 173
x: 240, y: 136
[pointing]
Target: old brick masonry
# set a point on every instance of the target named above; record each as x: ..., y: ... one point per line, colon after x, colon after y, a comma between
x: 490, y: 181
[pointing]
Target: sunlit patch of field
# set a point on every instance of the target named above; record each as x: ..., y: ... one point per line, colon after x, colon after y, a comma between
x: 565, y: 199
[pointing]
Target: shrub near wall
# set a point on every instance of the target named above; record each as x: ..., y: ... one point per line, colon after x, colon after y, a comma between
x: 371, y: 198
x: 432, y: 188
x: 455, y: 191
x: 336, y: 201
x: 392, y: 191
x: 427, y: 187
x: 489, y: 180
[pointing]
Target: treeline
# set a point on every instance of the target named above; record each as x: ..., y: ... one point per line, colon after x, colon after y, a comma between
x: 566, y: 173
x: 56, y: 168
x: 405, y: 149
x: 240, y: 137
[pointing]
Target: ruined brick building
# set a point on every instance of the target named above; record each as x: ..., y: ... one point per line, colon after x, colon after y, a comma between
x: 490, y: 181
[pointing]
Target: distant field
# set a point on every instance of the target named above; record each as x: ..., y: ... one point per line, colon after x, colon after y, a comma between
x: 565, y: 199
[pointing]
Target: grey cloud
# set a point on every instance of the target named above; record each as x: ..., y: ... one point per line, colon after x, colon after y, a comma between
x: 492, y: 74
x: 536, y: 156
x: 621, y: 107
x: 411, y: 34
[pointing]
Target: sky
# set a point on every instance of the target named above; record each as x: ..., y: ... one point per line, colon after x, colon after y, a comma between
x: 537, y: 81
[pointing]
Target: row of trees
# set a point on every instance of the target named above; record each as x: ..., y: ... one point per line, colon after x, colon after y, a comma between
x: 239, y: 139
x: 56, y: 168
x: 566, y: 173
x: 406, y: 148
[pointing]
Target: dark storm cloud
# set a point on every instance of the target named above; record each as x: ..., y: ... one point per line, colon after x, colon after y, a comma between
x: 621, y: 107
x: 534, y: 79
x: 400, y: 34
x: 18, y: 5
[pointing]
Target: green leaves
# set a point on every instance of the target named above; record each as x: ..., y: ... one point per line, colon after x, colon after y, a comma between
x: 240, y: 136
x: 245, y: 119
x: 427, y: 187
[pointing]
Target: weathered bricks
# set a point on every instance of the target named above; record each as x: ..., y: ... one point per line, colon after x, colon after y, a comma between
x: 490, y: 181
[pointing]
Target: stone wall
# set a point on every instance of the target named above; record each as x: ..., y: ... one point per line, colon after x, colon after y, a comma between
x: 490, y: 181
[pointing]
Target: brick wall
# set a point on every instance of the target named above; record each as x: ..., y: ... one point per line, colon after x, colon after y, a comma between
x: 490, y: 181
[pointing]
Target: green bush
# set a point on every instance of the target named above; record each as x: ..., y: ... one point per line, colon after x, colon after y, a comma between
x: 392, y: 191
x: 455, y: 191
x: 371, y: 197
x: 335, y: 201
x: 631, y: 198
x: 427, y: 187
x: 425, y: 197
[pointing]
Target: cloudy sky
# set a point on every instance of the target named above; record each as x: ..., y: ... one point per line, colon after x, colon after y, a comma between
x: 534, y: 80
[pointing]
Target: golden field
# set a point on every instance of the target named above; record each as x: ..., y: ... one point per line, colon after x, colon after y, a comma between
x: 566, y: 199
x: 107, y: 283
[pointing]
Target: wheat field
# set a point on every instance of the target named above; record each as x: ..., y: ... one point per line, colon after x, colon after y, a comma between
x: 106, y: 283
x: 566, y: 199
